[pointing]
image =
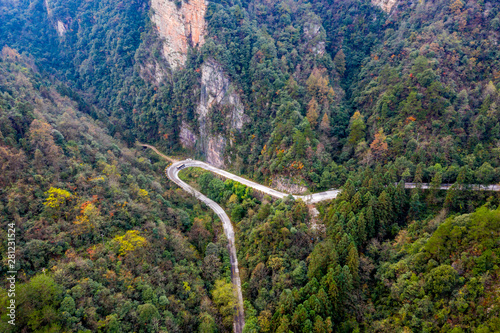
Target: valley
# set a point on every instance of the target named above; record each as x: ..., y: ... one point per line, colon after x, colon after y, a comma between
x: 250, y: 166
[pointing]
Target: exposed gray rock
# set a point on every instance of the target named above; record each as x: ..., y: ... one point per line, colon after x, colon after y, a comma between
x: 386, y: 5
x: 287, y: 185
x: 217, y: 91
x: 61, y: 28
x: 153, y: 72
x: 187, y: 137
x: 315, y: 35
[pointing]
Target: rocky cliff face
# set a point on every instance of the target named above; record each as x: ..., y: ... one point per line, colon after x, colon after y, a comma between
x: 217, y: 93
x: 386, y: 5
x: 216, y: 89
x: 315, y: 35
x: 59, y: 25
x: 287, y: 185
x: 187, y: 136
x: 61, y: 28
x: 180, y: 26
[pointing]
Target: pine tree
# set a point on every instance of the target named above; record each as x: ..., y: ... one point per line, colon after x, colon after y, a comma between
x: 349, y: 190
x: 325, y: 124
x: 453, y: 193
x: 284, y: 325
x: 419, y: 175
x: 346, y: 281
x: 415, y: 205
x: 342, y: 246
x: 357, y: 128
x: 323, y: 299
x: 384, y: 210
x: 312, y: 112
x: 406, y: 174
x: 352, y: 227
x: 399, y: 200
x: 434, y: 187
x: 329, y: 281
x: 299, y: 141
x: 299, y: 316
x: 353, y: 260
x: 339, y: 61
x: 319, y: 325
x: 361, y: 228
x: 357, y: 201
x: 379, y: 145
x: 307, y: 326
x: 370, y: 222
x: 329, y: 325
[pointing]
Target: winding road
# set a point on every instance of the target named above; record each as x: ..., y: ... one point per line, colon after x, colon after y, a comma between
x: 173, y: 171
x: 310, y: 199
x: 172, y: 174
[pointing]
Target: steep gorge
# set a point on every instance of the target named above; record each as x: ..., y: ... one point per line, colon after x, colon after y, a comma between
x: 218, y: 100
x: 217, y: 95
x: 182, y: 26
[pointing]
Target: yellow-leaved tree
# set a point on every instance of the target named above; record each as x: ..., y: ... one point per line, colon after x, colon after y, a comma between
x: 56, y: 197
x: 325, y: 123
x: 312, y: 112
x: 379, y: 145
x: 89, y: 219
x: 130, y: 242
x: 223, y: 296
x: 318, y: 86
x: 110, y: 170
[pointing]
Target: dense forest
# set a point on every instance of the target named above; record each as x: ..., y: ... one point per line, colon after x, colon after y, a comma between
x: 363, y: 267
x: 103, y: 242
x: 335, y: 93
x: 420, y: 85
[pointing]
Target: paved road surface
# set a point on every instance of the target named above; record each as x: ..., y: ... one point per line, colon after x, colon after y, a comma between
x: 472, y: 187
x: 311, y: 198
x: 172, y: 174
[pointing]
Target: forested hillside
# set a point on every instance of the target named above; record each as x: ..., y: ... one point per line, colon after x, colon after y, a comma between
x: 432, y: 88
x: 103, y: 242
x: 321, y: 82
x: 299, y: 95
x: 360, y: 266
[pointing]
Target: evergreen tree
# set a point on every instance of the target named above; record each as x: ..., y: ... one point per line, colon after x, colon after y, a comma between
x: 340, y: 63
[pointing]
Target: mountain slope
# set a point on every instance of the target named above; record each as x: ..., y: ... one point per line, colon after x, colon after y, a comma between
x: 103, y: 243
